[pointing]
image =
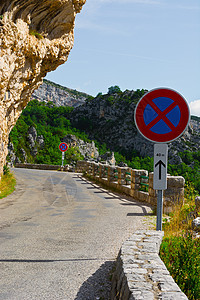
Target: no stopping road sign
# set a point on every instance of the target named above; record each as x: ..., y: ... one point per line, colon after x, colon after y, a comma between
x: 162, y: 115
x: 63, y: 147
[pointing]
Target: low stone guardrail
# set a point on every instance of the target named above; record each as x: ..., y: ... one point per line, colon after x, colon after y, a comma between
x: 40, y: 166
x: 135, y: 183
x: 140, y: 273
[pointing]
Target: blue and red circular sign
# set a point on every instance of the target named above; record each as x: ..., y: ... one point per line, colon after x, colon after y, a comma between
x: 63, y: 147
x: 162, y: 115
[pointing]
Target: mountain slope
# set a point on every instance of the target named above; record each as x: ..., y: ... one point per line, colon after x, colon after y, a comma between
x: 110, y: 119
x: 59, y: 95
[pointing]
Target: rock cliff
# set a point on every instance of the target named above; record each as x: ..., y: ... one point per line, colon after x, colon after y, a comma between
x: 35, y: 37
x: 59, y: 95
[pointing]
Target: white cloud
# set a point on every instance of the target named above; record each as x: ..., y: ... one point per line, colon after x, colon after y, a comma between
x: 195, y: 108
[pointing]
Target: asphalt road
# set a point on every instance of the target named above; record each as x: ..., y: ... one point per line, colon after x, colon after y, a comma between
x: 60, y: 236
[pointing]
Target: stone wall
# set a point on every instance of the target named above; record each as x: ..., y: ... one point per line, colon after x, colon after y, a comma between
x: 39, y: 166
x: 35, y: 38
x: 140, y: 273
x: 134, y: 183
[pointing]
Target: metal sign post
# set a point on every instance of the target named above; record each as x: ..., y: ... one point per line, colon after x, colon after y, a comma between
x: 63, y: 156
x: 63, y: 147
x: 161, y: 116
x: 160, y: 178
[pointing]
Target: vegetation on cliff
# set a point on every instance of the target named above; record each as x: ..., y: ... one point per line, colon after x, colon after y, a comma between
x: 52, y: 124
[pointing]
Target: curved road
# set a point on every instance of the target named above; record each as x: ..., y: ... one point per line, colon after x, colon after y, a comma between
x: 60, y: 235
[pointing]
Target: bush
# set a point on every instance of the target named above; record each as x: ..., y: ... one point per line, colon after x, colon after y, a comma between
x: 7, y: 184
x: 114, y: 89
x: 52, y: 123
x: 181, y: 256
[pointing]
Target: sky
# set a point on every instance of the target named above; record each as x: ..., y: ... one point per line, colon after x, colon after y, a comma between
x: 135, y: 44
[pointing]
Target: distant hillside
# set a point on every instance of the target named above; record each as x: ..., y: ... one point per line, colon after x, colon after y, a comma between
x: 59, y: 95
x: 110, y: 119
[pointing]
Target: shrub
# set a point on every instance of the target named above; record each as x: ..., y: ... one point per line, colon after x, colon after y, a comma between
x: 181, y: 256
x: 7, y: 184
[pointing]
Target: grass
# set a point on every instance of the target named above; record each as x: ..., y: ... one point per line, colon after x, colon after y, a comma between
x: 180, y: 250
x: 181, y: 255
x: 7, y: 184
x: 181, y: 217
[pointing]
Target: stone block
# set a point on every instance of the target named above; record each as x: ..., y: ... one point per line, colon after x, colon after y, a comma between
x: 175, y: 181
x: 143, y: 196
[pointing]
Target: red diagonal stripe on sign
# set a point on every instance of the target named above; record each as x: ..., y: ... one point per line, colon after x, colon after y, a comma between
x: 161, y: 115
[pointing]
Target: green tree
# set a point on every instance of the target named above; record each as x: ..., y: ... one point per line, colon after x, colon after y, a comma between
x: 114, y: 89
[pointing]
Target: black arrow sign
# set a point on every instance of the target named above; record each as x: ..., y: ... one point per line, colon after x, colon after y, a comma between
x: 160, y: 163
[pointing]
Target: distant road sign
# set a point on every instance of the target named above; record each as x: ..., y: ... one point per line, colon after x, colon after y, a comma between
x: 162, y: 115
x: 63, y: 147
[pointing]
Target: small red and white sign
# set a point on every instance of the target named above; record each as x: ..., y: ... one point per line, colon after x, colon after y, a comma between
x: 63, y: 147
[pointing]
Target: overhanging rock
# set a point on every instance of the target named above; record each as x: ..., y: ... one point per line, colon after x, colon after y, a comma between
x: 35, y: 38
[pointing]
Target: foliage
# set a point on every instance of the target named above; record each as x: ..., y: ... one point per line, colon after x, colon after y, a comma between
x: 179, y: 220
x: 114, y: 89
x: 139, y: 93
x: 179, y: 251
x: 6, y: 170
x: 189, y: 168
x: 53, y: 124
x: 7, y: 183
x: 135, y: 162
x: 181, y: 255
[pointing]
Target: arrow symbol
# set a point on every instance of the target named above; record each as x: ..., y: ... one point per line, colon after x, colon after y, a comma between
x: 160, y: 163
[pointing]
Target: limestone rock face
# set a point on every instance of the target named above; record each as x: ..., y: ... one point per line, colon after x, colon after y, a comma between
x: 59, y: 95
x: 35, y: 38
x: 88, y: 150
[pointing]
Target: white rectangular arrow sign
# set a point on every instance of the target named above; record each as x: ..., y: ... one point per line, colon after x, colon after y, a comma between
x: 160, y: 166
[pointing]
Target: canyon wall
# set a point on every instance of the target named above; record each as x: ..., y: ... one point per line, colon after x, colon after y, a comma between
x: 35, y: 38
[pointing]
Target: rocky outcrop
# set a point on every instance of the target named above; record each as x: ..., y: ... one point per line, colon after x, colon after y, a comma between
x: 34, y: 142
x: 35, y: 37
x: 59, y: 95
x: 87, y: 150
